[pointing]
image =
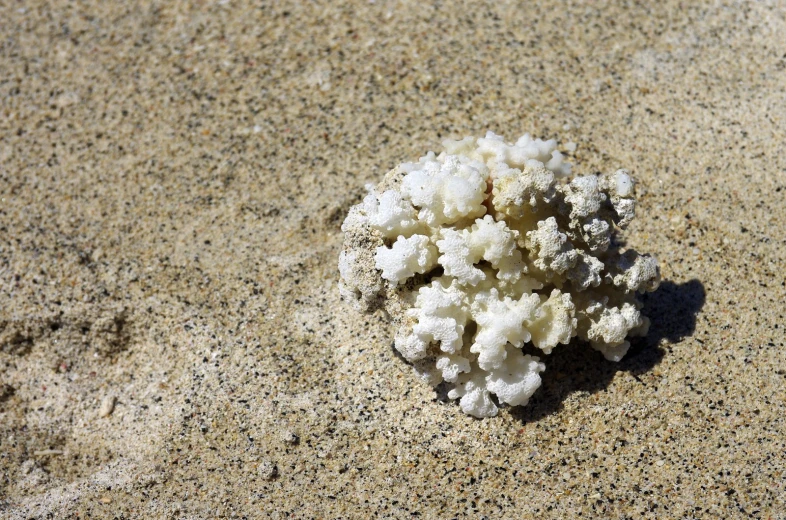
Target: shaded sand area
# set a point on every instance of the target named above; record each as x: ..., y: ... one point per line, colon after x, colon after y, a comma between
x: 172, y: 183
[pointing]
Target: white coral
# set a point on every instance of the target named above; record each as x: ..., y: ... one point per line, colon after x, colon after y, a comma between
x: 508, y: 255
x: 500, y: 321
x: 486, y: 240
x: 634, y: 272
x: 596, y: 233
x: 457, y: 257
x: 407, y: 257
x: 390, y: 214
x: 525, y: 152
x: 451, y: 365
x: 613, y: 324
x: 620, y: 186
x: 609, y: 326
x: 446, y: 189
x: 516, y: 191
x: 550, y: 250
x: 492, y: 241
x: 586, y: 272
x: 583, y: 196
x: 474, y: 396
x: 516, y: 379
x: 440, y: 312
x: 554, y: 321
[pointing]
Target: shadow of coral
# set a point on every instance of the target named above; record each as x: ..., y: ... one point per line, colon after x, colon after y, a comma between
x: 577, y: 367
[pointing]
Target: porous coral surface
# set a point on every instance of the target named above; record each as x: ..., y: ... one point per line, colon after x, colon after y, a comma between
x: 489, y: 253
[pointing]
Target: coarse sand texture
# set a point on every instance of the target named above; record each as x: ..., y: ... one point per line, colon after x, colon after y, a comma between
x: 174, y: 177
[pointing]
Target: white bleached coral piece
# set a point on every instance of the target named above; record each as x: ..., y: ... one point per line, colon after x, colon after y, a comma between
x: 613, y: 325
x: 526, y: 151
x: 500, y: 321
x: 492, y: 241
x: 586, y: 273
x: 486, y: 240
x: 634, y: 272
x: 446, y: 189
x: 407, y: 257
x: 550, y: 250
x: 612, y: 352
x: 620, y: 188
x: 516, y: 191
x: 474, y: 396
x: 457, y: 258
x: 596, y: 233
x: 485, y: 250
x: 554, y: 321
x: 412, y: 347
x: 583, y: 196
x: 459, y: 146
x: 440, y: 312
x: 608, y: 327
x: 390, y: 214
x: 516, y: 379
x: 511, y: 268
x: 452, y: 365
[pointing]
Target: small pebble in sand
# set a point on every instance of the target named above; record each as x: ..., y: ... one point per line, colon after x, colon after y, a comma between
x: 107, y: 406
x: 6, y: 391
x: 268, y: 470
x: 290, y: 437
x: 46, y: 453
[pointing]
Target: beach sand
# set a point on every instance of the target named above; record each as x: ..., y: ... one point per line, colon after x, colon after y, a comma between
x: 173, y: 179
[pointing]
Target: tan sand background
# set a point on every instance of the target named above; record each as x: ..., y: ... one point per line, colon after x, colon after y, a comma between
x: 172, y: 182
